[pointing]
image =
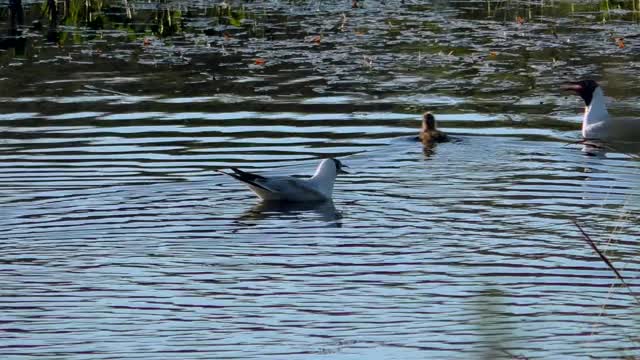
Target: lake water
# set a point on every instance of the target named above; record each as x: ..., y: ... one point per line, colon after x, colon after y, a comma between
x: 119, y: 240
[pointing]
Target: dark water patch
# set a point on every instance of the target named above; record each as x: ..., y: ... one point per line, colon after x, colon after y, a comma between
x: 116, y: 230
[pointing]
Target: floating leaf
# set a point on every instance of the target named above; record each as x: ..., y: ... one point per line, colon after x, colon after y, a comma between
x: 315, y: 39
x: 368, y: 61
x: 260, y: 61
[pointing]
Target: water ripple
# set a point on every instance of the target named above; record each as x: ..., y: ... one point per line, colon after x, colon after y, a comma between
x: 120, y: 241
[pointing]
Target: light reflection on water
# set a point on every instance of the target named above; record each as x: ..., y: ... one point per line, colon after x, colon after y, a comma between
x: 403, y: 261
x: 120, y: 241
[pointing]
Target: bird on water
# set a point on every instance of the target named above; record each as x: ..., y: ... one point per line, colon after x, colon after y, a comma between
x: 597, y: 124
x: 318, y: 187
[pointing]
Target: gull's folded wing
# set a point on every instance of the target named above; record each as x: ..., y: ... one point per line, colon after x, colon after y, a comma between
x: 249, y: 178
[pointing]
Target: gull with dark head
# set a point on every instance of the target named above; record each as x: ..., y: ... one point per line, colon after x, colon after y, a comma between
x: 597, y: 124
x: 318, y: 187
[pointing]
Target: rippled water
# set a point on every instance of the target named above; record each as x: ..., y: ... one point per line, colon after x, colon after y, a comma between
x: 120, y: 241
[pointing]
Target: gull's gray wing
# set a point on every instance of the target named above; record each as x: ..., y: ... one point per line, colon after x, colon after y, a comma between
x: 278, y: 187
x: 293, y: 189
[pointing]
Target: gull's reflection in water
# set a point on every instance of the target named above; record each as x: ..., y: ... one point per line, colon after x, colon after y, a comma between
x: 324, y: 211
x: 600, y: 148
x: 428, y: 150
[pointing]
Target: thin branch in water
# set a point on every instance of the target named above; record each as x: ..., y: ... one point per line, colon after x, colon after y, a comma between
x: 581, y: 142
x: 605, y: 259
x: 513, y: 356
x: 91, y: 87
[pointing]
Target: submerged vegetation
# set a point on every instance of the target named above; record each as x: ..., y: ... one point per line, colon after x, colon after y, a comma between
x: 464, y: 48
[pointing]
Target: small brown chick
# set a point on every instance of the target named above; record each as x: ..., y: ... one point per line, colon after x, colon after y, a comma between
x: 429, y: 134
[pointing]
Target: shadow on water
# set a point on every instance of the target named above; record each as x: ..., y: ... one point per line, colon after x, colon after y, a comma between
x: 14, y: 38
x: 324, y: 211
x: 628, y: 148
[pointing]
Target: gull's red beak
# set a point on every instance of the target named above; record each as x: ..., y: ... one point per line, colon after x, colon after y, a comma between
x: 576, y: 87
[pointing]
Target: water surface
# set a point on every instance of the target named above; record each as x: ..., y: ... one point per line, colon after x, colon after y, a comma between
x: 120, y: 240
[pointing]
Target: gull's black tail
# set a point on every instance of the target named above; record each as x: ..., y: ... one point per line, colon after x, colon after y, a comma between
x: 247, y: 177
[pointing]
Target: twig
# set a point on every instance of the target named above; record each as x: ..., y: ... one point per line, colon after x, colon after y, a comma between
x: 513, y: 356
x: 583, y: 142
x: 606, y: 260
x: 106, y: 90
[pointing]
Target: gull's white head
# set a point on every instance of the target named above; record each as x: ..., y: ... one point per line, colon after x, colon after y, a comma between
x: 330, y: 167
x: 326, y: 175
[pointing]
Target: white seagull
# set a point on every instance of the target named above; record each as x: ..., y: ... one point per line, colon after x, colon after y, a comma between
x: 319, y: 187
x: 596, y: 123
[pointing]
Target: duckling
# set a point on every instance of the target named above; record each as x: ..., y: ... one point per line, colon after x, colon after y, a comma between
x: 429, y: 134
